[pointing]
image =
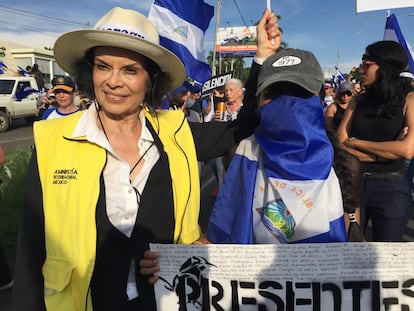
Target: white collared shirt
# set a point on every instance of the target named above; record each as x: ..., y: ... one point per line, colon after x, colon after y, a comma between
x: 122, y: 201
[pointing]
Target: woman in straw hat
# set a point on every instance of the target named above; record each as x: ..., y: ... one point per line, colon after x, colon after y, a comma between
x: 105, y: 182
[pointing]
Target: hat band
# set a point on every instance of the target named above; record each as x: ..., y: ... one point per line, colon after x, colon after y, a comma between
x: 124, y: 29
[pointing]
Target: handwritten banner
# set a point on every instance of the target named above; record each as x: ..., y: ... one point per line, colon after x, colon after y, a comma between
x: 331, y: 277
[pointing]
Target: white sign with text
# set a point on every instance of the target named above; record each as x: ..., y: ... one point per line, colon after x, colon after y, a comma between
x: 303, y: 277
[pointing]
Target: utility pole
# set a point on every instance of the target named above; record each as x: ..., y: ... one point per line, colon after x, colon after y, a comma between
x: 213, y: 69
x: 337, y: 58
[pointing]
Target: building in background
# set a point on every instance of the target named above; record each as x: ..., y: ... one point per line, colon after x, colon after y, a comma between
x: 13, y: 56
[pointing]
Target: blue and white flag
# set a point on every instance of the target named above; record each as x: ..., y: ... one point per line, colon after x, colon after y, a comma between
x: 280, y: 186
x: 23, y: 72
x: 341, y: 77
x: 182, y: 25
x: 24, y: 92
x: 3, y: 67
x: 393, y: 32
x: 338, y: 78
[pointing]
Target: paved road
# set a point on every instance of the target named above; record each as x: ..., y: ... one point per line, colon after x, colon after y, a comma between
x: 19, y: 135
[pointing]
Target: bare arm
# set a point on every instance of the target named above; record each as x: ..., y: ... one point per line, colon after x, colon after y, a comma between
x: 396, y: 149
x: 329, y: 115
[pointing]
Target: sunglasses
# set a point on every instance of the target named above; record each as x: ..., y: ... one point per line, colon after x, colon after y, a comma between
x: 365, y: 64
x: 347, y: 93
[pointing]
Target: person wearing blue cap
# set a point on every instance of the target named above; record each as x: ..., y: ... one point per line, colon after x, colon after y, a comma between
x: 183, y: 99
x: 64, y: 93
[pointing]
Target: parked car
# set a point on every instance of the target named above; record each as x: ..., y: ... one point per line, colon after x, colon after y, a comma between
x: 19, y: 98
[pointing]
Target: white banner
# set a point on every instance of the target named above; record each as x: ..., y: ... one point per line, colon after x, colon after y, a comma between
x: 296, y: 277
x: 373, y: 5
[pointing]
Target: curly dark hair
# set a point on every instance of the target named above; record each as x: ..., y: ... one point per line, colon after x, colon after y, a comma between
x: 159, y: 81
x: 389, y: 90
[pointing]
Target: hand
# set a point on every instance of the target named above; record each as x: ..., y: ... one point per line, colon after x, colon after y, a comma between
x: 350, y: 142
x: 149, y: 265
x: 217, y: 115
x: 202, y: 240
x: 269, y: 36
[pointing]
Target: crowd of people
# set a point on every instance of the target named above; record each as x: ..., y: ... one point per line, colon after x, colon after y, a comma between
x: 108, y: 178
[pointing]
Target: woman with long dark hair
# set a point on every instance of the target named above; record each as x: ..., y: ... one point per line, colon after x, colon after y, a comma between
x: 374, y: 129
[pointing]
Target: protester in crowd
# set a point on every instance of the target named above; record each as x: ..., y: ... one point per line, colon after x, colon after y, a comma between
x: 329, y: 95
x: 257, y: 203
x: 38, y: 75
x: 209, y: 106
x: 6, y: 280
x: 181, y: 98
x: 349, y: 185
x: 371, y: 130
x: 233, y: 94
x: 105, y: 182
x: 178, y: 97
x: 409, y: 163
x: 84, y: 100
x: 64, y: 95
x: 357, y: 88
x: 335, y: 112
x: 194, y: 104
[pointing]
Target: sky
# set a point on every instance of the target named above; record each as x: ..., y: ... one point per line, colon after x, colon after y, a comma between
x: 330, y: 29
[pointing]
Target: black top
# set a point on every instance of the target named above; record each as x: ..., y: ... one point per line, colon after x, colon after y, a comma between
x: 338, y: 116
x: 368, y: 125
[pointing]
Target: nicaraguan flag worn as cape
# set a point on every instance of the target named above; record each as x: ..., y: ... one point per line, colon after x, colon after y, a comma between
x: 182, y: 25
x: 280, y: 186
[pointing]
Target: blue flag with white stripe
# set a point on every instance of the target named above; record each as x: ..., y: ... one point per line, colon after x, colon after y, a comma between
x: 339, y: 74
x: 393, y: 33
x: 3, y: 67
x: 338, y: 78
x: 182, y: 25
x: 23, y: 72
x: 280, y: 186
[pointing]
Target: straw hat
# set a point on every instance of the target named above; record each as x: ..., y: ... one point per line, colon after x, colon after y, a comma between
x: 121, y: 28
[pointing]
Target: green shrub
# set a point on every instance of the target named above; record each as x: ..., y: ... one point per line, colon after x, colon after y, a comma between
x: 12, y: 176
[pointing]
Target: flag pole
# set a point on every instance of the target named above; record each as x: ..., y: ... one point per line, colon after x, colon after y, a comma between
x: 213, y: 69
x: 268, y: 6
